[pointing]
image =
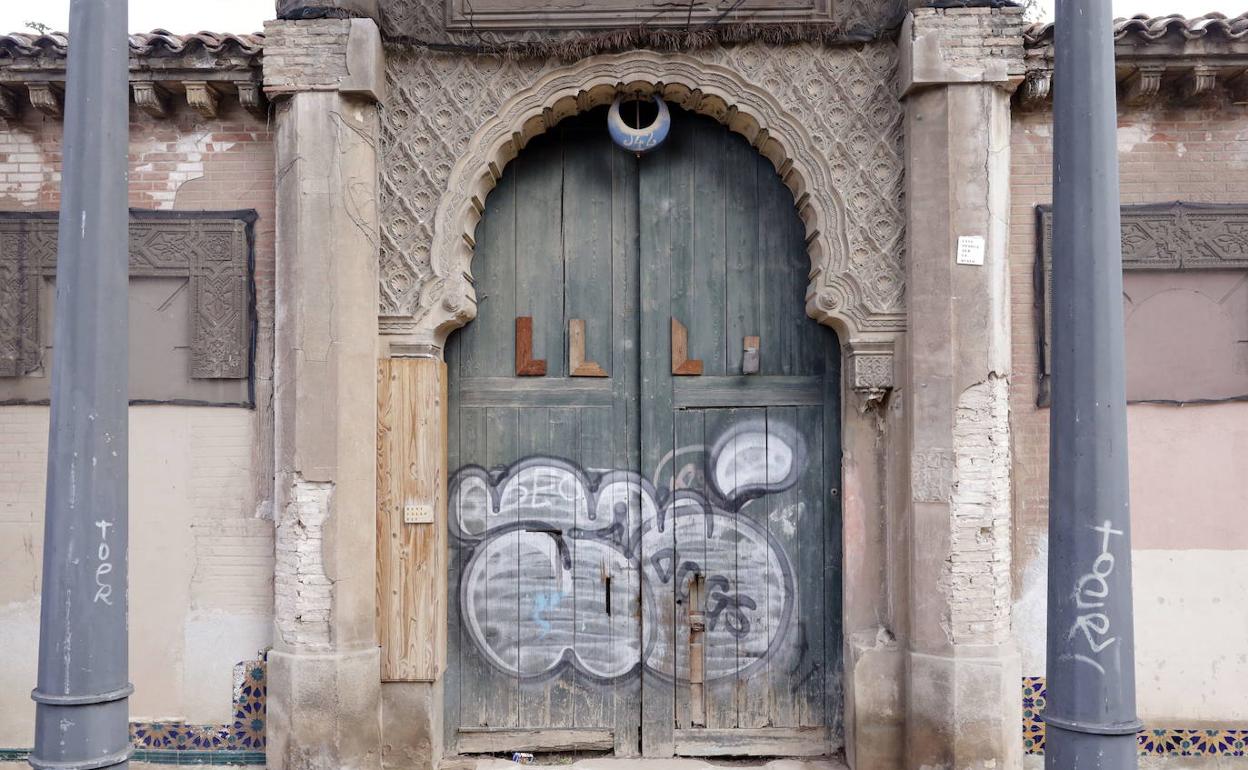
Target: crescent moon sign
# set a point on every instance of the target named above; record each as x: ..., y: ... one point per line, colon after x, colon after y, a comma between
x: 639, y: 140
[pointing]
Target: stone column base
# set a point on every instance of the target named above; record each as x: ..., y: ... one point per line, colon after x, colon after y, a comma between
x: 411, y: 725
x: 965, y: 709
x: 324, y: 710
x: 875, y: 726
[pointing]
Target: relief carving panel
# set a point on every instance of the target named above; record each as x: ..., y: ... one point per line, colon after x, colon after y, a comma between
x: 213, y: 252
x: 1184, y: 296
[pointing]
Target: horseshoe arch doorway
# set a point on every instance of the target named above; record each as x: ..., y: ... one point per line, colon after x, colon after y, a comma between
x: 644, y: 444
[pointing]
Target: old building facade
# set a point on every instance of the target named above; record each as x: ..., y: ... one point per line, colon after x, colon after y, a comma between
x: 459, y: 429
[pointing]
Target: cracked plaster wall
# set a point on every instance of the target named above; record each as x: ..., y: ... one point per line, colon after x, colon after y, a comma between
x: 201, y: 557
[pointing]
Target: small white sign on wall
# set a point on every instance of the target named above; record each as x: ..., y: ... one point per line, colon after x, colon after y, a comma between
x: 970, y: 250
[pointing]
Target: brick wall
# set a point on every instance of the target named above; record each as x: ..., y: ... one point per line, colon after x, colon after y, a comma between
x: 305, y: 54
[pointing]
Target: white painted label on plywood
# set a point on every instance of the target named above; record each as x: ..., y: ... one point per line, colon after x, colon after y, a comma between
x: 970, y: 250
x: 417, y: 513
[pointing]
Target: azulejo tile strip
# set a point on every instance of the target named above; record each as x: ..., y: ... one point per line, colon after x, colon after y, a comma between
x: 1154, y: 741
x: 245, y: 734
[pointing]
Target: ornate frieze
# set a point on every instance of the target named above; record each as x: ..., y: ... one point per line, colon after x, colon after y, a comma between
x: 212, y: 250
x: 827, y: 118
x: 458, y: 22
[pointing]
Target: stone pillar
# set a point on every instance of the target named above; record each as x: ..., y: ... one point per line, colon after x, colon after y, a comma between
x: 963, y: 701
x: 325, y: 78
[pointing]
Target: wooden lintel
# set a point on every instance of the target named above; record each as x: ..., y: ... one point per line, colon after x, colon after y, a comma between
x: 577, y: 364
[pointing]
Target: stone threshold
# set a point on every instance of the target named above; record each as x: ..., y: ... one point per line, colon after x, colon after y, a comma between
x: 611, y: 763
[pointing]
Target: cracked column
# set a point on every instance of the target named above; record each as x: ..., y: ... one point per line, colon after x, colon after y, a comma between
x: 325, y: 77
x: 958, y: 69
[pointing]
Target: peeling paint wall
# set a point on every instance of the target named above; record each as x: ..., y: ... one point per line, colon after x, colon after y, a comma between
x: 201, y: 553
x: 201, y: 564
x: 1188, y: 488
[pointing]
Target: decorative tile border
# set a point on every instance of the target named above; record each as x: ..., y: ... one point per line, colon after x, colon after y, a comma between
x: 1154, y: 741
x: 245, y: 734
x: 178, y: 743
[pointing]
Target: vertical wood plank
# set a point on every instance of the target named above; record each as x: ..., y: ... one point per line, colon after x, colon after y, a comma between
x: 688, y: 472
x: 706, y: 258
x: 743, y: 291
x: 805, y: 679
x: 833, y: 540
x: 788, y: 522
x: 491, y: 334
x: 411, y: 560
x: 593, y: 703
x: 587, y: 244
x: 500, y: 696
x: 475, y: 675
x: 657, y: 230
x: 453, y: 683
x: 625, y: 385
x: 539, y: 283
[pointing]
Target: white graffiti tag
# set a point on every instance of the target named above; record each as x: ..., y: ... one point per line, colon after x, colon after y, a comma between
x: 103, y: 584
x: 560, y: 567
x: 1091, y: 593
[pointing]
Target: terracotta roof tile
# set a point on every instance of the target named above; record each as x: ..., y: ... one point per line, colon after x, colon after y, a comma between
x: 156, y: 43
x: 1147, y: 29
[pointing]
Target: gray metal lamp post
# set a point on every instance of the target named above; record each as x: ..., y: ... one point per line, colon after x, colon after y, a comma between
x: 82, y: 709
x: 1090, y: 716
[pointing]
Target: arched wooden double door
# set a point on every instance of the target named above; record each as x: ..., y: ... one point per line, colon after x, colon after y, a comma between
x: 644, y: 512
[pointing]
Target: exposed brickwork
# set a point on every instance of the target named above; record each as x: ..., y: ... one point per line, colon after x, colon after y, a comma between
x: 304, y: 593
x: 979, y: 563
x: 1166, y: 153
x: 969, y: 37
x: 305, y: 54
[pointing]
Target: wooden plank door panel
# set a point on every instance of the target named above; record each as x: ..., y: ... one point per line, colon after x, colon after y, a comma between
x: 639, y: 560
x: 545, y: 600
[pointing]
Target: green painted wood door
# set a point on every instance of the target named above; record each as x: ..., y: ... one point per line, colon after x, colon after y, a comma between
x: 644, y: 561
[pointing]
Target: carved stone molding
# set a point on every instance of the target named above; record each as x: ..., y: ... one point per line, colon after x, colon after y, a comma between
x: 1199, y: 83
x: 1165, y: 236
x: 46, y: 98
x: 212, y: 249
x: 828, y: 120
x: 202, y: 98
x: 152, y: 98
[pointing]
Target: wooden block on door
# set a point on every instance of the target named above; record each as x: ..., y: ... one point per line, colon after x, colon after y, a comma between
x: 526, y: 365
x: 681, y: 364
x: 577, y: 364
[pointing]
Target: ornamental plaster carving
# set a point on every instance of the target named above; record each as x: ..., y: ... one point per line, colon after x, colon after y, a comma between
x: 211, y: 249
x: 827, y: 118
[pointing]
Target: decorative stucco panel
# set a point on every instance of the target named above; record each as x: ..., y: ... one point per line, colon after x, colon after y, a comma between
x: 827, y: 117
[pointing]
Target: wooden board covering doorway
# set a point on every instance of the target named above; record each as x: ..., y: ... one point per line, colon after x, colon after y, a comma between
x: 645, y: 557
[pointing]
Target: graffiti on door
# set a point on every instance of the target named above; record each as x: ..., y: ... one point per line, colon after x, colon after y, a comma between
x: 566, y: 566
